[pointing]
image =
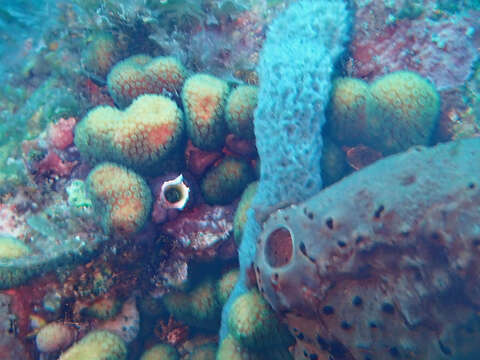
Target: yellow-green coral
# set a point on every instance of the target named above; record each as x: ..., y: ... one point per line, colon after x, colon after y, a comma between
x: 12, y: 248
x: 406, y: 109
x: 160, y: 352
x: 239, y: 111
x: 232, y: 349
x: 97, y: 345
x: 241, y: 212
x: 254, y: 324
x: 203, y: 352
x: 145, y: 137
x: 223, y: 183
x: 225, y: 285
x: 204, y: 97
x: 198, y: 307
x: 121, y: 198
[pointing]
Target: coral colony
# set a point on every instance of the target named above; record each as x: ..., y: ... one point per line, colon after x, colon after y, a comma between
x: 240, y: 180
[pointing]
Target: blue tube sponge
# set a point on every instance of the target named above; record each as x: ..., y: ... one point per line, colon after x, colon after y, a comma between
x: 295, y: 70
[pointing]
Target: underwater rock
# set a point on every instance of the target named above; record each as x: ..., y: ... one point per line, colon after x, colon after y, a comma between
x: 57, y: 236
x: 126, y: 324
x: 383, y: 263
x: 202, y: 227
x: 11, y: 347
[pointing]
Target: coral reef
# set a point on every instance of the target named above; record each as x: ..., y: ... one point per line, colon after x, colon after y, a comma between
x: 253, y: 323
x: 142, y: 137
x: 406, y: 109
x: 350, y: 112
x: 203, y: 352
x: 140, y: 74
x: 201, y: 227
x: 97, y: 345
x: 241, y: 212
x: 104, y: 308
x: 198, y: 307
x: 225, y: 285
x: 309, y: 36
x: 99, y: 56
x: 231, y: 349
x: 361, y: 275
x: 10, y: 346
x: 204, y: 97
x: 226, y: 181
x: 120, y: 197
x: 445, y: 58
x: 397, y: 111
x: 370, y: 256
x: 334, y: 162
x: 60, y: 135
x: 241, y: 104
x: 160, y: 351
x: 126, y: 324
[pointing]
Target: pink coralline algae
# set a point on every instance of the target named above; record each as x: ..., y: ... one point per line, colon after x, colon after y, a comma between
x: 60, y: 135
x: 383, y: 264
x: 444, y: 51
x: 198, y: 161
x: 202, y: 227
x: 53, y: 164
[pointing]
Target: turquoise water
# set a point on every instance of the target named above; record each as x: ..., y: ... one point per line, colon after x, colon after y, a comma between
x: 233, y: 179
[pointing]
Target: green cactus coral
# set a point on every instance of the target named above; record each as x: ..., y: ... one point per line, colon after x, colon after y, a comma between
x: 205, y: 308
x: 121, y: 197
x: 97, y: 345
x: 253, y: 323
x: 204, y: 98
x: 241, y: 212
x: 223, y: 183
x: 198, y: 307
x: 141, y: 74
x: 12, y: 248
x: 225, y: 285
x: 203, y: 352
x: 239, y: 111
x: 334, y: 162
x: 406, y: 109
x: 231, y: 349
x: 350, y: 109
x: 99, y: 55
x: 161, y: 352
x: 147, y: 136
